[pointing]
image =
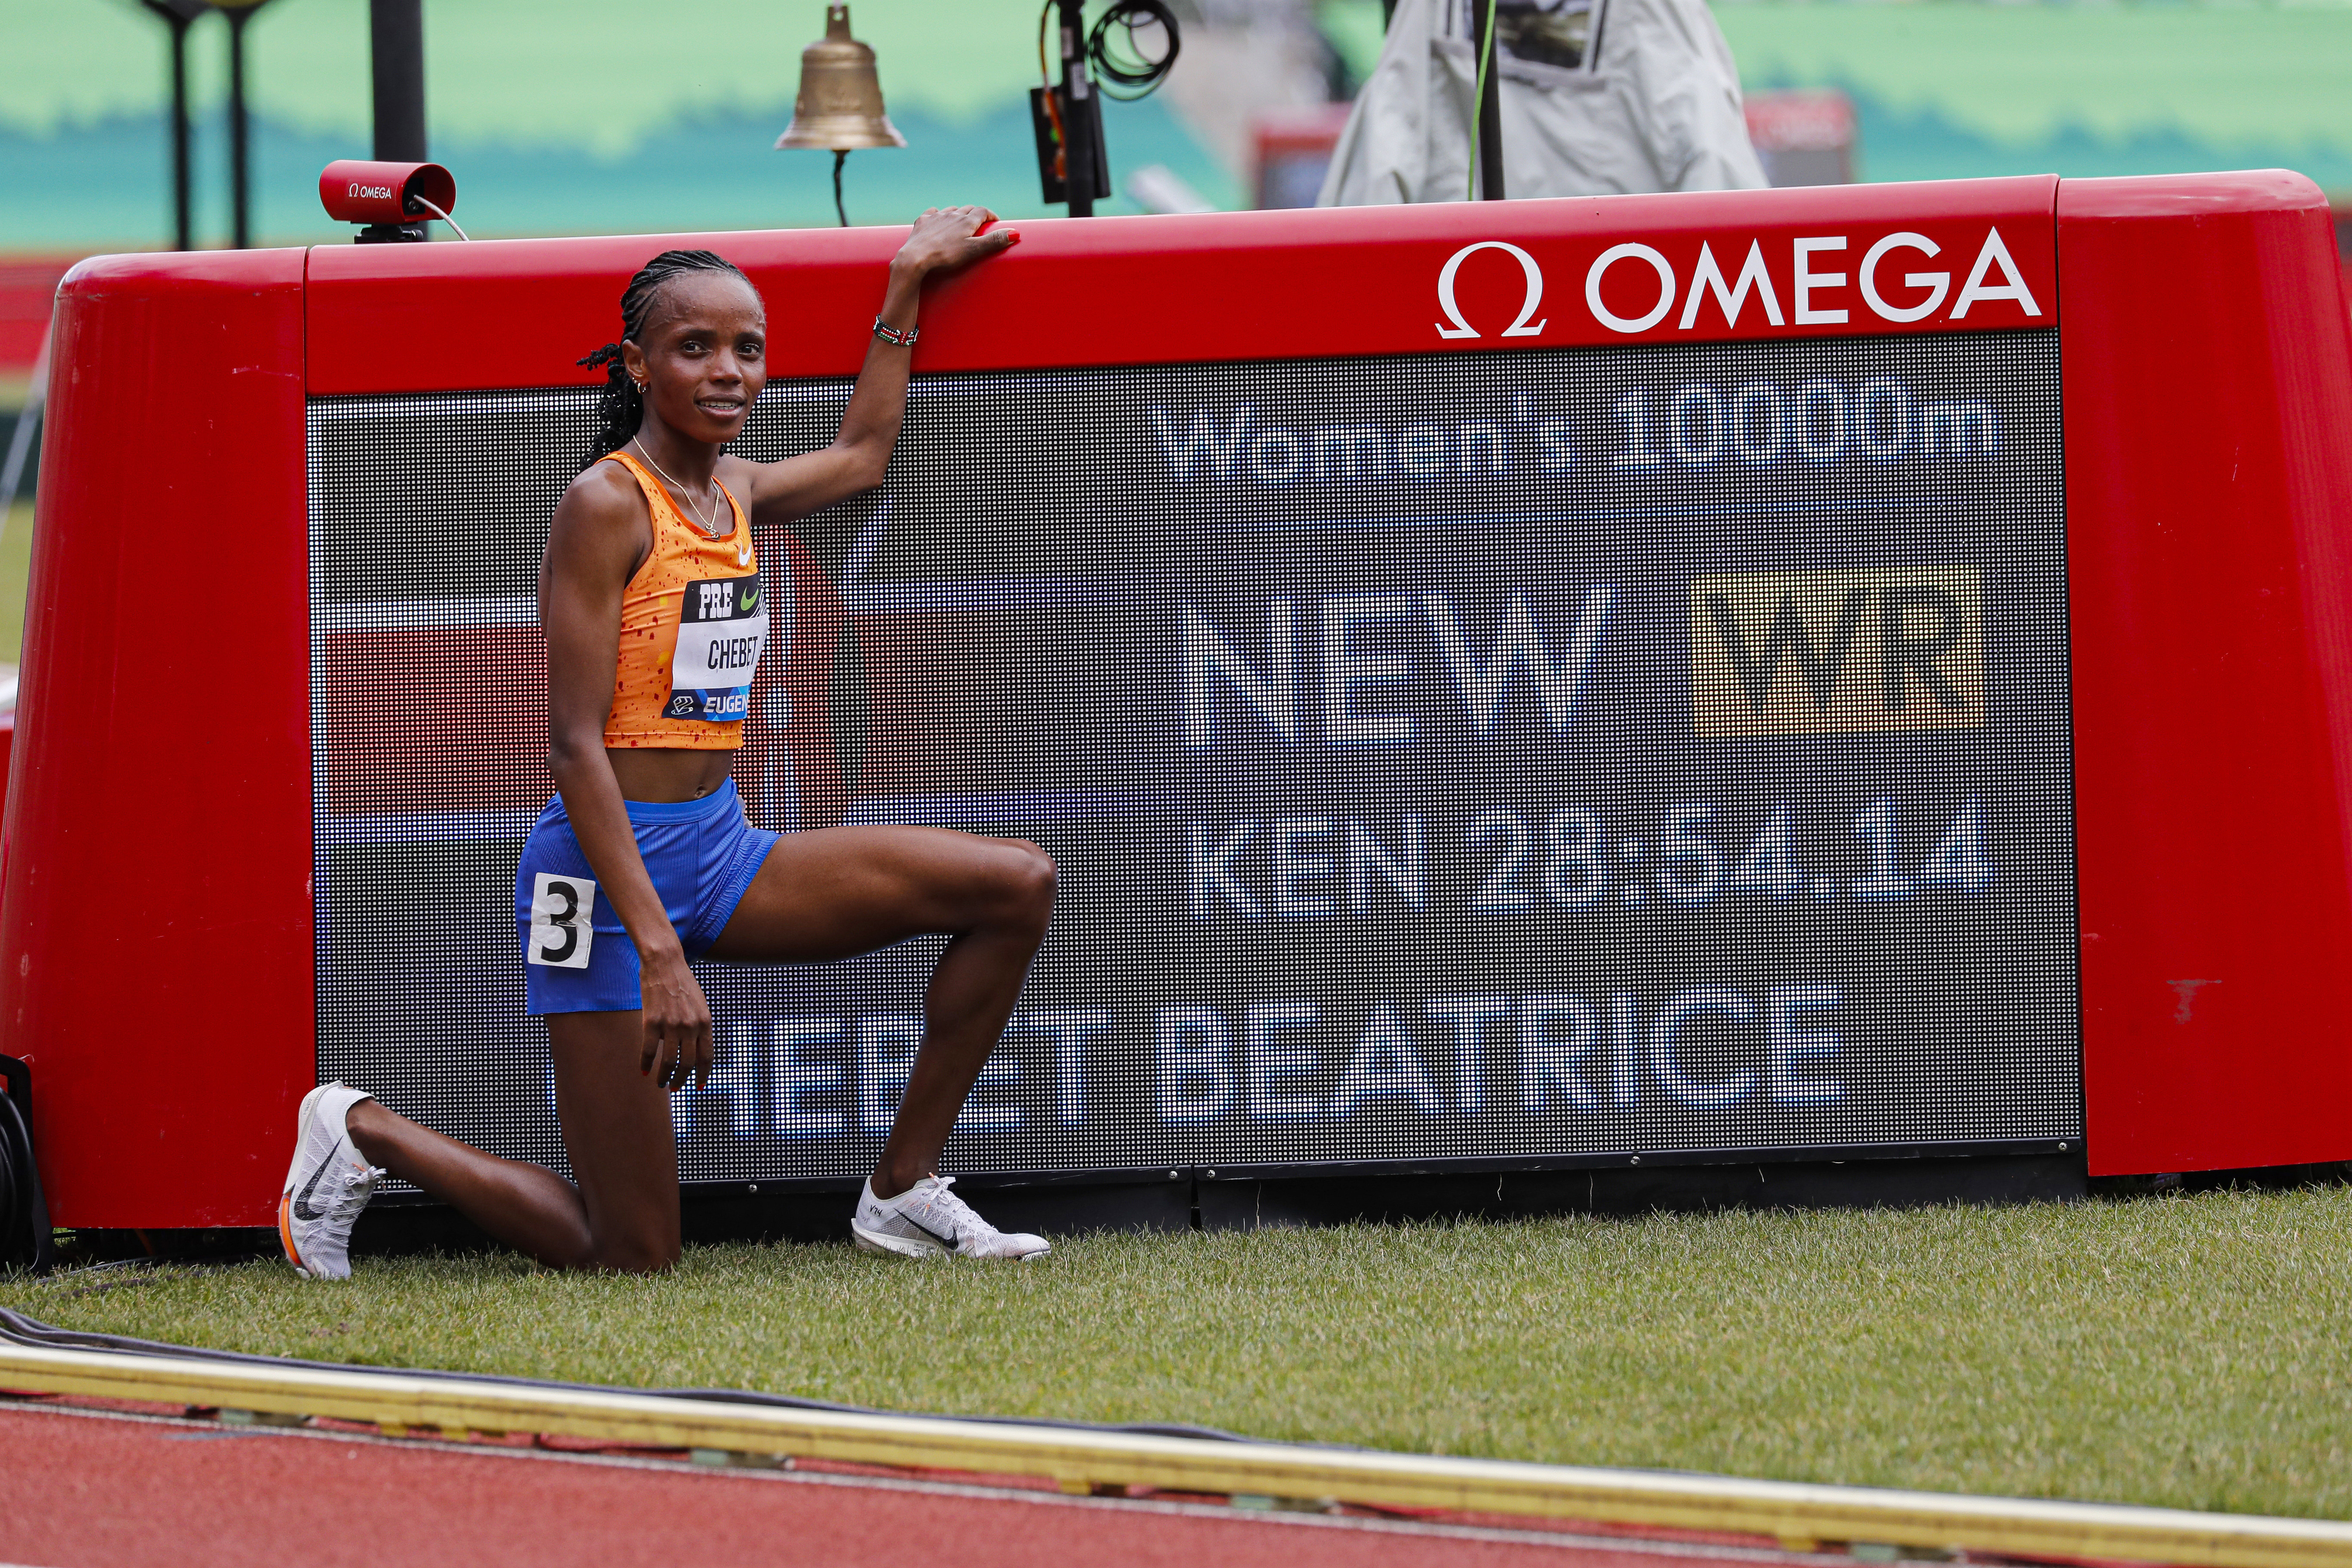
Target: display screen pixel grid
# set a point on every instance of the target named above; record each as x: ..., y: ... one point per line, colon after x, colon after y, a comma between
x: 1550, y: 753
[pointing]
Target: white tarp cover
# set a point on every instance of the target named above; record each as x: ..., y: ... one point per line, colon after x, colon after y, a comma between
x: 1597, y: 96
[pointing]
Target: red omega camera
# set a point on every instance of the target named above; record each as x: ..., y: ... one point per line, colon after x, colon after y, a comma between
x: 394, y: 201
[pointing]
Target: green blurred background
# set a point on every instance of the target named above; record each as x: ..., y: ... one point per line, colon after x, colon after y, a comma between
x: 557, y: 116
x: 568, y: 116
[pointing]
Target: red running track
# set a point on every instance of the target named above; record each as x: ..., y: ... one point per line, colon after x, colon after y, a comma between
x: 91, y: 1490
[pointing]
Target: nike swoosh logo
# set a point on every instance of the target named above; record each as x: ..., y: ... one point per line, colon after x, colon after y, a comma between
x: 952, y: 1243
x: 742, y: 555
x: 302, y: 1209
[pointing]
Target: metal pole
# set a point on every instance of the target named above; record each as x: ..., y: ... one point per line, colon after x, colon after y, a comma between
x: 183, y: 234
x: 397, y: 45
x: 1490, y: 102
x: 1077, y: 111
x: 239, y: 139
x: 184, y: 222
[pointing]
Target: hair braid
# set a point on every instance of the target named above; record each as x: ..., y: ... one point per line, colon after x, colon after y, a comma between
x: 621, y: 407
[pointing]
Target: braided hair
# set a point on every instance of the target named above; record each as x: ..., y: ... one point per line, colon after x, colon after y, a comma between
x: 621, y: 407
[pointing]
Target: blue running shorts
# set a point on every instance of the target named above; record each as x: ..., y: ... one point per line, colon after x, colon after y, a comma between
x: 577, y: 957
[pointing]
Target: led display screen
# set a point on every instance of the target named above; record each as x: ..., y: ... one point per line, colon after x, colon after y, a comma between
x: 1548, y: 753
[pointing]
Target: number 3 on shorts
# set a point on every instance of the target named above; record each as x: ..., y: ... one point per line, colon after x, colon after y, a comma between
x: 560, y: 931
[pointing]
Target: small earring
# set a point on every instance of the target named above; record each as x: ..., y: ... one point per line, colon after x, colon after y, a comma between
x: 641, y: 386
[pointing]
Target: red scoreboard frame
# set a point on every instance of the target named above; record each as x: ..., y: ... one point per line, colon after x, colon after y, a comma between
x: 156, y: 930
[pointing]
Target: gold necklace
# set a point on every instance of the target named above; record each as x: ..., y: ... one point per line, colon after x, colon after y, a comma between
x: 709, y: 527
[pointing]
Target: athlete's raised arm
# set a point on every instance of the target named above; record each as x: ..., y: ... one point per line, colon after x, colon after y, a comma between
x: 945, y: 239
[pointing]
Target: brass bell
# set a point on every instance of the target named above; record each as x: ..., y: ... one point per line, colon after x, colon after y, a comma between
x: 840, y: 101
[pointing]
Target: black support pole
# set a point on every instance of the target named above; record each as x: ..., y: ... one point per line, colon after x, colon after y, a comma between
x: 183, y: 217
x: 240, y: 150
x: 183, y: 226
x: 1489, y: 54
x: 396, y: 41
x: 1077, y: 111
x: 182, y: 175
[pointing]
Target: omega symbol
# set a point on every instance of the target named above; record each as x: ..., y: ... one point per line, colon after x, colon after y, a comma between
x: 1518, y: 327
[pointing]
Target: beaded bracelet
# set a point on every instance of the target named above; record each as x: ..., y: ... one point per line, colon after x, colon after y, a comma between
x: 890, y: 334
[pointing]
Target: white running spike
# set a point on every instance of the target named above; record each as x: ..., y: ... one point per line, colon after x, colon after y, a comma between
x: 326, y: 1186
x: 927, y: 1220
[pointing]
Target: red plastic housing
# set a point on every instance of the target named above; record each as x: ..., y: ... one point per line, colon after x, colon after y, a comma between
x: 2209, y: 499
x: 157, y: 924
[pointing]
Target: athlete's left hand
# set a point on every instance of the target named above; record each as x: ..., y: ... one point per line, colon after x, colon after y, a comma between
x: 677, y: 1019
x: 945, y: 239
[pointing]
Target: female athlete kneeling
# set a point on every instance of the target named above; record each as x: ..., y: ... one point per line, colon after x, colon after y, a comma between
x: 645, y: 858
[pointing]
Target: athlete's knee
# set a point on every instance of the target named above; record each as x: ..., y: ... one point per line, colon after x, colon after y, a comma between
x: 652, y: 1250
x: 1028, y: 883
x: 635, y: 1258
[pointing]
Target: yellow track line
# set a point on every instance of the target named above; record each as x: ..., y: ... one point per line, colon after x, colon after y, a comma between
x: 1797, y: 1514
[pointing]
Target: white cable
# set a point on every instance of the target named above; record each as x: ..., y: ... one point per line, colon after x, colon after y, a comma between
x: 445, y: 217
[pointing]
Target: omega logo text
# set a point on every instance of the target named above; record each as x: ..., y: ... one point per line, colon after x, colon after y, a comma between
x: 1518, y: 327
x: 1635, y: 287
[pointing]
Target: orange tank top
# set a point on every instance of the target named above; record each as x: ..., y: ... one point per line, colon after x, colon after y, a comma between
x: 693, y: 623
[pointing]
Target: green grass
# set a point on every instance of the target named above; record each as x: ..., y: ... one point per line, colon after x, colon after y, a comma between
x: 2191, y: 1351
x: 16, y: 568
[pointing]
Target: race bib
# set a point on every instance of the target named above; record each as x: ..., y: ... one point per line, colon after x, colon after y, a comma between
x: 560, y: 931
x: 722, y: 627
